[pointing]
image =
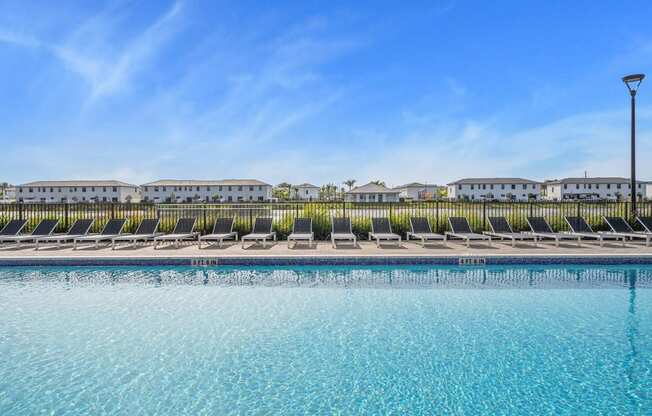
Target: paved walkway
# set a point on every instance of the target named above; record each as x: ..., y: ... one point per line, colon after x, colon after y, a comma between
x: 324, y: 249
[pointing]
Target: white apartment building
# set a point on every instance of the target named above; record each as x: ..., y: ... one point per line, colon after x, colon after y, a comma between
x: 371, y: 192
x: 305, y: 191
x: 417, y: 191
x: 227, y: 190
x: 489, y: 189
x: 8, y: 195
x: 607, y: 188
x: 77, y: 191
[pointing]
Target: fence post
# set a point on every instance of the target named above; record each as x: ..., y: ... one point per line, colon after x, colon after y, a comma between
x: 627, y: 213
x: 484, y: 215
x: 65, y: 218
x: 20, y: 210
x: 343, y: 207
x: 251, y: 222
x: 437, y: 216
x: 112, y: 210
x: 204, y: 216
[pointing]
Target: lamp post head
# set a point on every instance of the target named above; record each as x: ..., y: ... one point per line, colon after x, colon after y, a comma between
x: 632, y: 82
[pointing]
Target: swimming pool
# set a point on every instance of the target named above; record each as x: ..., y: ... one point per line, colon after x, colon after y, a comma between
x: 326, y: 339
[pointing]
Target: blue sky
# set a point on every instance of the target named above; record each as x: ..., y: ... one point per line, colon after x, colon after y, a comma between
x: 321, y: 91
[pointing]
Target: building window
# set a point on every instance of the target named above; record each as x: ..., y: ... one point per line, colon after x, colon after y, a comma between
x: 208, y: 188
x: 260, y: 198
x: 83, y: 189
x: 115, y: 189
x: 471, y: 186
x: 251, y: 188
x: 251, y: 197
x: 513, y: 186
x: 484, y: 186
x: 219, y: 188
x: 524, y: 187
x: 459, y: 187
x: 565, y: 186
x: 31, y: 190
x: 618, y: 186
x: 260, y: 188
x: 491, y: 186
x: 239, y: 188
x: 197, y: 188
x: 502, y: 186
x: 229, y: 188
x: 93, y: 189
x: 164, y: 189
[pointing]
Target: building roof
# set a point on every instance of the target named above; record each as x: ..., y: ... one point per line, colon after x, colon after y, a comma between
x: 416, y: 185
x: 469, y: 181
x: 612, y: 179
x: 199, y: 182
x: 307, y: 185
x: 77, y: 183
x: 372, y: 188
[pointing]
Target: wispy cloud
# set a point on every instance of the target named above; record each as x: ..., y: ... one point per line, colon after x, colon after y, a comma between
x: 107, y: 75
x: 106, y: 71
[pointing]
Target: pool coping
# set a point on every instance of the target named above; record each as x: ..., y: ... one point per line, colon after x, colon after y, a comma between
x: 471, y: 260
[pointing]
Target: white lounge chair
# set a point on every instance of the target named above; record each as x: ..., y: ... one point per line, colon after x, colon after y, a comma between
x: 302, y: 231
x: 460, y: 228
x: 622, y: 228
x: 381, y: 230
x: 184, y: 230
x: 646, y: 222
x: 582, y: 229
x: 78, y: 229
x: 44, y: 228
x: 541, y: 229
x: 111, y: 230
x: 222, y: 230
x: 501, y: 229
x: 146, y: 231
x: 342, y: 230
x: 421, y: 230
x: 262, y: 232
x: 12, y: 228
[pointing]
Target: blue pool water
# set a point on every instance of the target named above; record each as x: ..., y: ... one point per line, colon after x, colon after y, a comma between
x: 326, y: 340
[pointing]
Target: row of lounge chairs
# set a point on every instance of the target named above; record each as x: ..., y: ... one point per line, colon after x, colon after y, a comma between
x: 381, y: 231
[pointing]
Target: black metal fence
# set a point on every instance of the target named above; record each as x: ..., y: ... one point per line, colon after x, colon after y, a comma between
x: 321, y: 213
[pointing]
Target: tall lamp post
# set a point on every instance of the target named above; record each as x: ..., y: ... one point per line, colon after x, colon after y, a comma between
x: 633, y: 82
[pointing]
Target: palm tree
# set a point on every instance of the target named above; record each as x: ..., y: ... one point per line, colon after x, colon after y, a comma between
x: 379, y: 183
x: 328, y: 191
x: 349, y: 183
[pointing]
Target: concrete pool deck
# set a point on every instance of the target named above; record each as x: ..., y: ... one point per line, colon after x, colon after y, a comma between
x: 324, y: 250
